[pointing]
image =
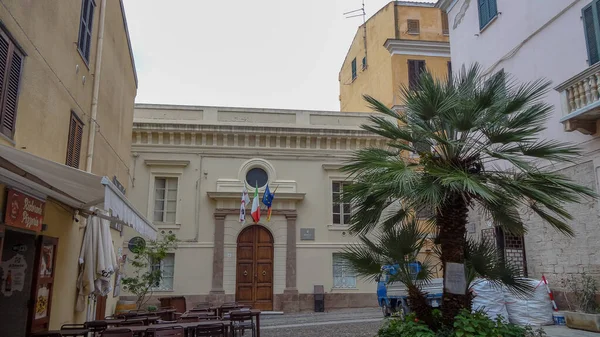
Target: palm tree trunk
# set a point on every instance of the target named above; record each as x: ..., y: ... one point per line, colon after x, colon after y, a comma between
x: 452, y: 221
x: 418, y: 304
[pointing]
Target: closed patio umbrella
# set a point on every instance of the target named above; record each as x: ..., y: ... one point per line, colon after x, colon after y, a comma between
x: 97, y: 261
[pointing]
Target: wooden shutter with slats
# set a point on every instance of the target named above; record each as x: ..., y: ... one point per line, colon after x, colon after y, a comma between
x: 74, y: 141
x: 591, y: 28
x: 445, y: 26
x: 415, y: 68
x: 11, y: 62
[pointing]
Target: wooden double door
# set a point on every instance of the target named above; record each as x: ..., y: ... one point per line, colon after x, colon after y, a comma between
x: 254, y: 280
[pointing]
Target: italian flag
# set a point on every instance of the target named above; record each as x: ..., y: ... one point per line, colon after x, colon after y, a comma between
x: 255, y: 207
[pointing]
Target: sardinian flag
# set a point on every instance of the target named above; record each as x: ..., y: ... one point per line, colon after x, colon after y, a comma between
x: 245, y: 200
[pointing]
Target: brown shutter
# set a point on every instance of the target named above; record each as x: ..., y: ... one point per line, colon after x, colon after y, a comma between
x: 415, y: 68
x: 74, y: 141
x: 11, y: 61
x: 43, y: 284
x: 445, y: 28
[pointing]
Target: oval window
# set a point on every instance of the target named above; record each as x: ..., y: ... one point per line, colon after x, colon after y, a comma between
x: 257, y: 177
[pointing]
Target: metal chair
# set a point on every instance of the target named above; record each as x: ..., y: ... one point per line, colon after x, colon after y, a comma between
x: 212, y: 330
x: 240, y: 320
x: 175, y: 331
x: 47, y: 334
x: 96, y: 326
x: 117, y: 333
x: 133, y: 322
x: 74, y: 330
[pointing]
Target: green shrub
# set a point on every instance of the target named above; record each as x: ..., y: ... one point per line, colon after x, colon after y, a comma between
x: 466, y: 324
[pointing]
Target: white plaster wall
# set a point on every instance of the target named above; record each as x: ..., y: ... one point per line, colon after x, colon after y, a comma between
x: 557, y: 53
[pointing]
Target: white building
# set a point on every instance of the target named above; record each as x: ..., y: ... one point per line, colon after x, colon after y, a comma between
x: 202, y: 157
x: 558, y: 40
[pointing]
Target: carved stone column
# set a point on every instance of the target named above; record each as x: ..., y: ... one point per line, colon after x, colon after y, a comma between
x: 218, y: 254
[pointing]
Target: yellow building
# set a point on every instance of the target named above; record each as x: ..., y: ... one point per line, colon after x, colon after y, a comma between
x: 67, y: 90
x: 402, y: 39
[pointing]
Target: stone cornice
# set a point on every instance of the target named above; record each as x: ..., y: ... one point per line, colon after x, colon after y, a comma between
x: 236, y: 195
x: 222, y: 212
x: 446, y: 5
x: 418, y: 48
x: 171, y: 163
x: 332, y: 167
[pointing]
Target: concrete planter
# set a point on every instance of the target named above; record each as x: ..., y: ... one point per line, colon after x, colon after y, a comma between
x: 583, y: 321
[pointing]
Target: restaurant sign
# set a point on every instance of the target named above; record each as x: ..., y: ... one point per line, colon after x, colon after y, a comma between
x: 24, y: 211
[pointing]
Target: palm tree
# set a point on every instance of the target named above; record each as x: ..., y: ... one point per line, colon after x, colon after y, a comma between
x: 477, y: 141
x: 400, y: 246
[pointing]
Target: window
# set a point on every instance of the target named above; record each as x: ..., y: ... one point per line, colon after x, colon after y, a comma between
x: 591, y: 28
x: 445, y: 27
x: 364, y: 63
x: 341, y: 209
x: 11, y: 61
x: 415, y: 68
x: 343, y: 273
x: 85, y: 28
x: 165, y: 200
x: 413, y: 27
x: 487, y: 11
x: 257, y: 177
x: 354, y: 69
x: 74, y: 142
x: 167, y: 269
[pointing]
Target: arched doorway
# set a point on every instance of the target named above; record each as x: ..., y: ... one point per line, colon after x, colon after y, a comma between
x: 254, y: 272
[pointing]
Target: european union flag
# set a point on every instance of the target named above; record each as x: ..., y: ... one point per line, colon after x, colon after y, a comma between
x: 268, y: 197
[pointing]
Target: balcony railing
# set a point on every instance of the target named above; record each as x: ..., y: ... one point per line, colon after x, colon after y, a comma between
x: 581, y: 101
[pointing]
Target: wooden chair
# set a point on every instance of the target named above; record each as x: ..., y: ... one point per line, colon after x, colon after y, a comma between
x: 240, y: 320
x: 117, y: 333
x: 212, y: 330
x: 175, y: 331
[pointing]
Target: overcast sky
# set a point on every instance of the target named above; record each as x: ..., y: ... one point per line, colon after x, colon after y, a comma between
x: 261, y: 53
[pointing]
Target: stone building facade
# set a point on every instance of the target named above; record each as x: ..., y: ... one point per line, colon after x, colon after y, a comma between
x: 206, y: 156
x: 530, y: 41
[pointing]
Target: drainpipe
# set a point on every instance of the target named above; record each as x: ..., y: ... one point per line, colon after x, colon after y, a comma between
x: 97, y: 67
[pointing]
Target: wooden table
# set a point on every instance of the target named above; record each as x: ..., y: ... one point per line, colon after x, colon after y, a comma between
x: 139, y: 330
x: 254, y: 313
x: 65, y: 332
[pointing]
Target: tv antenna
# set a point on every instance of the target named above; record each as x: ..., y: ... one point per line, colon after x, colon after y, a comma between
x: 356, y: 13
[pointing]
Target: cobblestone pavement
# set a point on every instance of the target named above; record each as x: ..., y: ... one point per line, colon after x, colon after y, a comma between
x: 353, y: 323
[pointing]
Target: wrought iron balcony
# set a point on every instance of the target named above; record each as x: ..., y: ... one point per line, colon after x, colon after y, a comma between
x: 581, y: 101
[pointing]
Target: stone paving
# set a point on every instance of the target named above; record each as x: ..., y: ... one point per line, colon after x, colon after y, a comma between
x: 353, y: 322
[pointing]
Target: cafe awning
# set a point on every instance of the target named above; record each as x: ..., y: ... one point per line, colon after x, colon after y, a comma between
x: 80, y: 190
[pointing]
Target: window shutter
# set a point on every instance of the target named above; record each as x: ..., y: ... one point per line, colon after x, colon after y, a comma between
x: 353, y: 68
x: 74, y: 142
x: 412, y: 74
x: 590, y: 35
x: 492, y: 9
x: 9, y: 115
x: 483, y: 13
x: 445, y: 28
x: 450, y: 72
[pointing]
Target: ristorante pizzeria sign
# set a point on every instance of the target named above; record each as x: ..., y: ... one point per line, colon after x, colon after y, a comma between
x: 24, y: 211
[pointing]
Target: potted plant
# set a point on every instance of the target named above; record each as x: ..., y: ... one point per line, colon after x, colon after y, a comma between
x: 588, y: 316
x: 142, y: 281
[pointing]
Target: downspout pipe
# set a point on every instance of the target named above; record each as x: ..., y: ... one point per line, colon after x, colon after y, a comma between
x: 96, y: 89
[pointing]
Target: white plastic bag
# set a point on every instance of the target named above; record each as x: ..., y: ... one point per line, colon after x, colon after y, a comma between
x: 533, y: 310
x: 490, y: 299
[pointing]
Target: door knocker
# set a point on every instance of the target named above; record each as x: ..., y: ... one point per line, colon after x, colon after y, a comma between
x: 264, y: 272
x: 245, y: 273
